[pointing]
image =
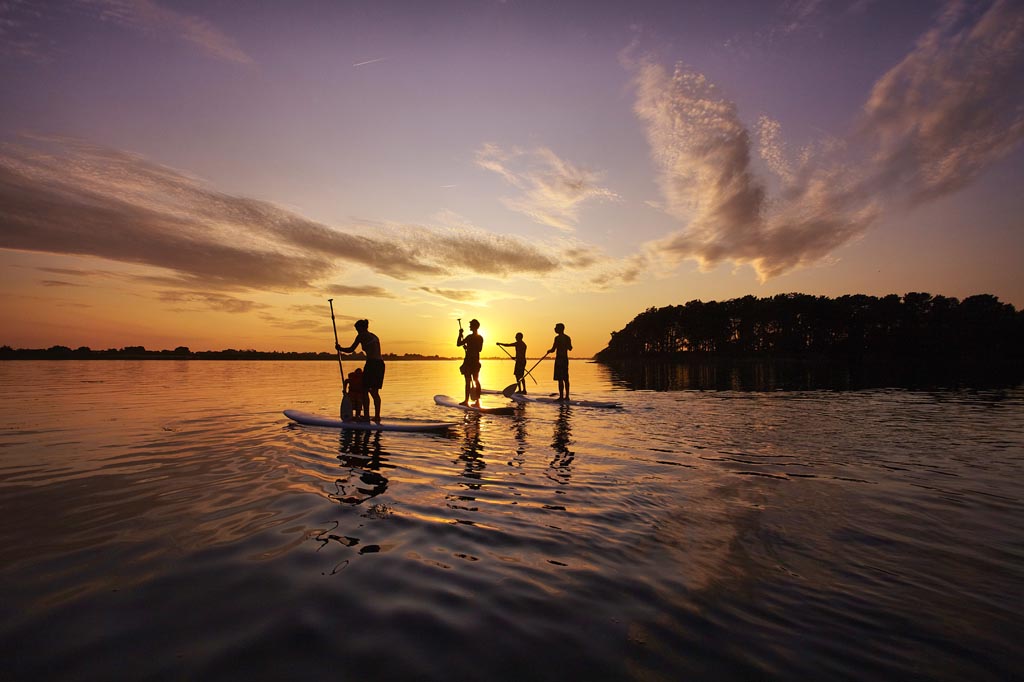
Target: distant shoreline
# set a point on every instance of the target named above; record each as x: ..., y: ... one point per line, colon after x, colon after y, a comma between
x: 135, y: 353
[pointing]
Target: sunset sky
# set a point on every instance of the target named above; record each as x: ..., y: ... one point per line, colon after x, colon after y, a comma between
x: 209, y: 173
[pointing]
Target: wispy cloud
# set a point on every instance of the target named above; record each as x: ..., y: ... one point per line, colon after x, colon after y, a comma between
x: 552, y: 189
x: 475, y: 297
x: 20, y: 35
x: 152, y: 18
x: 954, y: 105
x: 312, y: 325
x: 462, y: 295
x: 66, y: 196
x: 932, y: 124
x: 370, y: 61
x: 358, y: 291
x: 193, y: 300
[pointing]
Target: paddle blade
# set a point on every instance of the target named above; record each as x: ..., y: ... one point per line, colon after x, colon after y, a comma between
x: 346, y: 408
x: 509, y: 390
x: 474, y: 392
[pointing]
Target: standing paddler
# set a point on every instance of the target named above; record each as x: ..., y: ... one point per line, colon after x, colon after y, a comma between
x: 373, y: 370
x: 520, y: 367
x: 474, y: 343
x: 561, y: 347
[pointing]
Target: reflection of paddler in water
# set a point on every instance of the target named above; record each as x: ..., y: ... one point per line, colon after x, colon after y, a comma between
x: 373, y: 370
x: 470, y: 455
x: 474, y: 343
x: 560, y: 442
x: 519, y: 431
x: 361, y: 451
x: 520, y: 367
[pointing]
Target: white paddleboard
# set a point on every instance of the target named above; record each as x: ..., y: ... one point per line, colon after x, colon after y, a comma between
x: 386, y: 425
x: 448, y: 401
x: 523, y: 398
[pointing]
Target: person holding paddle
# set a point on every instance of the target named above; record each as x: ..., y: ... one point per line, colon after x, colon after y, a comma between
x: 561, y: 347
x: 520, y: 368
x: 474, y: 343
x: 373, y: 370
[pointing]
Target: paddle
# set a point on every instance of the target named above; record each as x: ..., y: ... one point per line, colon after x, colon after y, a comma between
x: 510, y: 355
x: 346, y: 402
x: 511, y: 388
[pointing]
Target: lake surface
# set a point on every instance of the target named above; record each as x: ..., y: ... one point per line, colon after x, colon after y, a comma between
x: 164, y: 520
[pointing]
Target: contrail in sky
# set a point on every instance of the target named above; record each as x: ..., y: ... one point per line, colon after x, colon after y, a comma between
x: 370, y: 61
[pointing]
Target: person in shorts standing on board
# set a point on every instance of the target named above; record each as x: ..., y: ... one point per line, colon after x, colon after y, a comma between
x: 373, y: 370
x: 561, y: 347
x: 473, y: 344
x: 520, y: 367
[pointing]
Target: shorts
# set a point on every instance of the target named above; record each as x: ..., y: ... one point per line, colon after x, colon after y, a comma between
x: 520, y: 369
x: 373, y: 374
x: 469, y: 368
x: 561, y: 369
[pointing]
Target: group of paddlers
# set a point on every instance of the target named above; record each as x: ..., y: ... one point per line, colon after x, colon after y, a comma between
x: 473, y: 343
x: 363, y: 384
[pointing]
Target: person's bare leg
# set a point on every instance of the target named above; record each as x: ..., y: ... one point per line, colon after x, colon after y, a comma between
x: 376, y: 405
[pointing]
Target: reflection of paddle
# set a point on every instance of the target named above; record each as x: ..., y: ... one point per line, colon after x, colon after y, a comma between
x: 511, y: 388
x: 346, y: 402
x: 510, y: 355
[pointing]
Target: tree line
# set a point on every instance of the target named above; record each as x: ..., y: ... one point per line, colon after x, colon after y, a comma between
x: 182, y: 353
x: 916, y: 325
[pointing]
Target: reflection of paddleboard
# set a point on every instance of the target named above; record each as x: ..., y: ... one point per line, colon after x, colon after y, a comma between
x: 448, y: 401
x: 521, y: 398
x: 386, y: 425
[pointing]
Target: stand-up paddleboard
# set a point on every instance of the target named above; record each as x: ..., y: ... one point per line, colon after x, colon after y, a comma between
x: 386, y: 425
x: 448, y: 401
x: 523, y: 398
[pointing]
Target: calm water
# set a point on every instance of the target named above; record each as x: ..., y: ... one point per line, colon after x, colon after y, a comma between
x: 163, y: 520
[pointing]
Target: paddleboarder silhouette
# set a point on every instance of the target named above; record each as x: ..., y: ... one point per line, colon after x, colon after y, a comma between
x: 561, y: 347
x: 473, y: 344
x: 520, y: 367
x: 373, y: 370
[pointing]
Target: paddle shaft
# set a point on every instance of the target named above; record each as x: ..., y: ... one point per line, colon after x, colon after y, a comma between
x: 512, y: 387
x: 537, y: 363
x: 510, y: 355
x: 335, y: 325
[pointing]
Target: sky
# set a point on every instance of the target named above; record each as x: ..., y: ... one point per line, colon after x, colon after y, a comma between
x: 210, y: 173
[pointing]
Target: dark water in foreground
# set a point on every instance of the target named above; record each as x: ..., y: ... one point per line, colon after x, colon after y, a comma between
x: 162, y: 520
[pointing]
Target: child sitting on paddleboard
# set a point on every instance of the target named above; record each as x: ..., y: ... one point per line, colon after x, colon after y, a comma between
x: 353, y: 386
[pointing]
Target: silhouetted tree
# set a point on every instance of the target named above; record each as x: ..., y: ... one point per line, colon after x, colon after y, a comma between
x: 916, y: 325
